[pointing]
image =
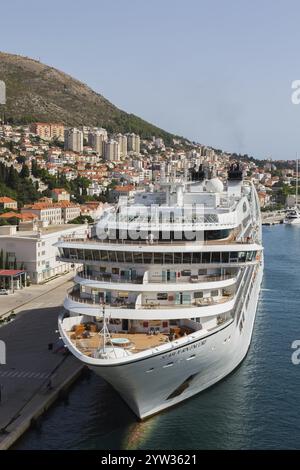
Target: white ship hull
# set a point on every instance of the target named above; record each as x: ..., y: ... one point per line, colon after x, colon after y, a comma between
x: 146, y: 393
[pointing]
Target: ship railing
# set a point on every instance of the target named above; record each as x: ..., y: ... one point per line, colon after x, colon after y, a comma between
x: 140, y: 279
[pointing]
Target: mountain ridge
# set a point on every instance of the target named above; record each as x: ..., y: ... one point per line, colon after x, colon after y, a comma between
x: 38, y: 92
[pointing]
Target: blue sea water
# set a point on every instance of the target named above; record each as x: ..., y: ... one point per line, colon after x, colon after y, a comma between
x: 256, y: 407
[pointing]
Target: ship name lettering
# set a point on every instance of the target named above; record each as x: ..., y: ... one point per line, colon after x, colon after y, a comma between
x: 184, y: 350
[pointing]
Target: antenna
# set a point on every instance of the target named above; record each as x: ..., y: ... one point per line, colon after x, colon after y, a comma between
x: 105, y: 334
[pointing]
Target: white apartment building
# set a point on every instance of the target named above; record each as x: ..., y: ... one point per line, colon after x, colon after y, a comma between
x: 95, y: 189
x: 112, y: 151
x: 69, y: 211
x: 74, y: 140
x: 133, y: 143
x: 49, y: 214
x: 159, y: 143
x: 60, y: 194
x: 96, y: 140
x: 36, y: 251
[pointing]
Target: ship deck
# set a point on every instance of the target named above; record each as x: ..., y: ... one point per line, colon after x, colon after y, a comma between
x: 136, y: 342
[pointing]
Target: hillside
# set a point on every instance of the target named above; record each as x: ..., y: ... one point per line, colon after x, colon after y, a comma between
x: 37, y: 92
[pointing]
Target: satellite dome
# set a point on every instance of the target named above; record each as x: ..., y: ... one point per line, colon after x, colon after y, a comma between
x: 214, y: 186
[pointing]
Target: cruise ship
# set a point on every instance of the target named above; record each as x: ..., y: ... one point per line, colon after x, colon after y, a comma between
x: 165, y: 302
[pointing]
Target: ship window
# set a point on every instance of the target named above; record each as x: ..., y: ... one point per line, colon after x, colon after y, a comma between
x: 115, y: 270
x: 120, y: 256
x: 112, y: 256
x: 73, y: 252
x: 88, y: 255
x: 198, y: 295
x: 128, y: 256
x: 147, y: 258
x: 177, y: 258
x: 196, y: 258
x: 162, y: 296
x: 137, y: 257
x: 242, y: 256
x: 104, y: 256
x: 187, y: 258
x: 66, y: 252
x: 186, y: 299
x: 225, y: 257
x: 158, y: 258
x: 214, y: 293
x: 205, y: 257
x: 215, y: 257
x: 96, y: 255
x: 168, y: 258
x: 186, y: 272
x: 233, y: 257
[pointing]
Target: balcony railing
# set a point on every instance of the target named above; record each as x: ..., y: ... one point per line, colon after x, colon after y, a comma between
x: 75, y: 295
x: 140, y: 279
x: 194, y: 279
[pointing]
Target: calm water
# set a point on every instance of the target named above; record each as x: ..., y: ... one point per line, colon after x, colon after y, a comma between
x: 255, y: 407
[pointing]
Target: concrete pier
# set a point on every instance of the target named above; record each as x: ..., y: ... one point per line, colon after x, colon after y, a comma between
x: 34, y: 374
x: 272, y: 218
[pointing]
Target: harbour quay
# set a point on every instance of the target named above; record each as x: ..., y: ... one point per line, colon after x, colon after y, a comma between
x: 38, y: 369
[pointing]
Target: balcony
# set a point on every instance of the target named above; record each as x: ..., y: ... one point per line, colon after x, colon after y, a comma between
x: 108, y: 277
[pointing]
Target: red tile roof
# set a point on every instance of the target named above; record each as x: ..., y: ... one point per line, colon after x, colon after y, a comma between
x: 124, y: 188
x: 6, y: 199
x: 59, y: 190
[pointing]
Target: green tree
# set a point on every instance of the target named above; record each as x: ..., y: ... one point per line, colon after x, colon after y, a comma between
x: 12, y: 178
x: 82, y: 219
x: 24, y: 173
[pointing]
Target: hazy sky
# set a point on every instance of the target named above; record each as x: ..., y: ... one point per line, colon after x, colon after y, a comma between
x: 216, y: 71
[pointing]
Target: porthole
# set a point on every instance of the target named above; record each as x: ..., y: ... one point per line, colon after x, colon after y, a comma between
x: 170, y: 364
x: 191, y: 357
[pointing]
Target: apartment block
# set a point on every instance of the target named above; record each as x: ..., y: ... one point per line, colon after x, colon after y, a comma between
x: 74, y: 140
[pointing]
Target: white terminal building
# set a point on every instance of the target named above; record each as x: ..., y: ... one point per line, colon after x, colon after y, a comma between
x: 34, y: 250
